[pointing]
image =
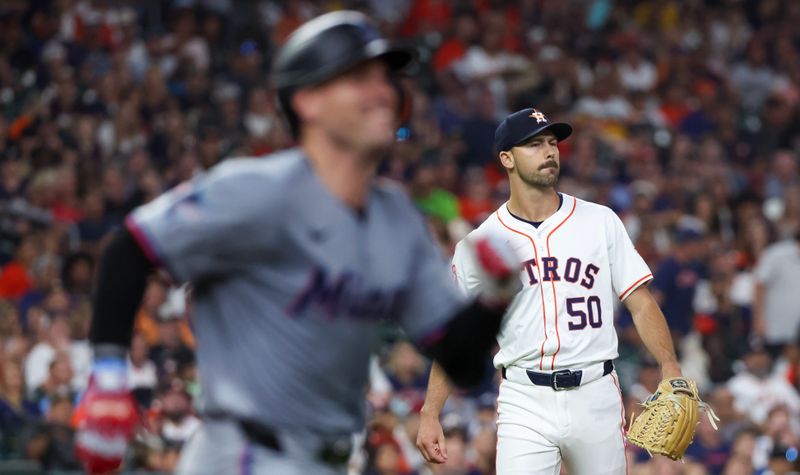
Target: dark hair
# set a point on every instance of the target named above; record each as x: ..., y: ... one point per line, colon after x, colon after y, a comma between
x: 70, y: 262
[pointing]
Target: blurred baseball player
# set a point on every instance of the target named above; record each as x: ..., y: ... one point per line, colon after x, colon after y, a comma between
x: 294, y: 260
x: 559, y: 399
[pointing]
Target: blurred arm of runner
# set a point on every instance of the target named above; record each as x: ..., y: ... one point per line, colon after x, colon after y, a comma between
x: 107, y: 410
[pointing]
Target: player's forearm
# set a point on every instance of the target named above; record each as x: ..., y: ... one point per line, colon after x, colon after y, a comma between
x: 121, y: 280
x: 438, y: 391
x: 653, y: 329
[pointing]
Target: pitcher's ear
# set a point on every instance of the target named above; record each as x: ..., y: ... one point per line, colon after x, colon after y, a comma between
x: 507, y: 159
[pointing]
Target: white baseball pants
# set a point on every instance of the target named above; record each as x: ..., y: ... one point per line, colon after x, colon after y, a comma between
x: 539, y: 428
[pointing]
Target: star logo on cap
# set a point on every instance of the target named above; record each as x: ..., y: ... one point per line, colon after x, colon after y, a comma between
x: 538, y: 116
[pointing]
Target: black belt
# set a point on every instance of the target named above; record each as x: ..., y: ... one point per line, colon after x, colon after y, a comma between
x: 334, y: 453
x: 562, y: 379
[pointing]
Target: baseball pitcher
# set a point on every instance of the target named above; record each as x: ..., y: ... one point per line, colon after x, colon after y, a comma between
x: 559, y: 399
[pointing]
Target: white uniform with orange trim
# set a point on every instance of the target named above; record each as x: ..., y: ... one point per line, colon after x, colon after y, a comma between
x: 576, y: 265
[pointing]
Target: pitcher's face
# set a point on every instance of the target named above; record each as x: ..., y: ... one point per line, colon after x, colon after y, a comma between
x: 536, y: 160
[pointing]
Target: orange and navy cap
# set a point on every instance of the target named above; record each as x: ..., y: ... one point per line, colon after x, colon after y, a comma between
x: 524, y: 124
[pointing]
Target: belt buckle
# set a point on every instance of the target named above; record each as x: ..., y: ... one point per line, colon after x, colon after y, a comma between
x: 555, y: 375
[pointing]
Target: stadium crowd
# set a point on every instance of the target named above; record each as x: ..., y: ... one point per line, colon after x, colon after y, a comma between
x: 687, y: 119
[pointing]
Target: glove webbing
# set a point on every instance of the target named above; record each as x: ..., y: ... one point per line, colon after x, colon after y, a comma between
x: 666, y: 425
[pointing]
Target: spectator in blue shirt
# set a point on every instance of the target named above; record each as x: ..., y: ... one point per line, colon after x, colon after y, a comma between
x: 675, y: 281
x: 15, y: 409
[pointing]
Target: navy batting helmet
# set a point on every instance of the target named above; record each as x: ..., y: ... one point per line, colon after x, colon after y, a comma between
x: 326, y: 47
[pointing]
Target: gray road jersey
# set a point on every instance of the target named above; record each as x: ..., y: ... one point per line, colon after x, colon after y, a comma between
x: 289, y: 286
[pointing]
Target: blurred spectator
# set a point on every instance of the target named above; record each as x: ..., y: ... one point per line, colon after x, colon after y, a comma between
x: 16, y: 410
x: 142, y: 374
x: 744, y: 445
x: 77, y: 273
x: 709, y: 448
x: 756, y: 390
x: 477, y: 129
x: 155, y: 295
x: 51, y: 442
x: 788, y: 363
x: 485, y: 417
x: 15, y: 278
x: 498, y: 69
x: 458, y: 457
x: 45, y: 272
x: 649, y: 377
x: 80, y: 351
x: 9, y: 321
x: 665, y: 466
x: 464, y: 31
x: 731, y: 421
x: 779, y: 432
x: 58, y: 383
x: 259, y: 120
x: 603, y: 103
x: 160, y: 303
x: 753, y: 78
x: 95, y: 223
x: 475, y: 203
x: 756, y: 235
x: 675, y: 281
x: 724, y: 325
x: 425, y: 16
x: 430, y: 198
x: 451, y: 106
x: 776, y: 311
x: 53, y: 337
x: 407, y: 372
x: 176, y: 409
x: 484, y: 444
x: 783, y: 174
x: 170, y: 353
x: 385, y: 459
x: 386, y: 430
x: 782, y: 461
x: 738, y: 465
x: 636, y: 73
x: 229, y: 116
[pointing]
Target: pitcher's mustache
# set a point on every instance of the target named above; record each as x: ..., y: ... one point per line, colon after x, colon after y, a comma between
x: 549, y: 165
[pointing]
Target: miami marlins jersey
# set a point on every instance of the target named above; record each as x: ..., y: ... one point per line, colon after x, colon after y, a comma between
x: 290, y: 284
x: 575, y: 265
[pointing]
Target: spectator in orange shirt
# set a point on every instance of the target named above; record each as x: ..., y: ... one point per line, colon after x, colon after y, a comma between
x: 15, y: 279
x: 426, y: 16
x: 475, y: 202
x: 147, y: 319
x: 464, y: 34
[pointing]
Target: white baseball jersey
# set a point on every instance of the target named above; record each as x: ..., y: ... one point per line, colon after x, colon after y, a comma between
x: 576, y: 264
